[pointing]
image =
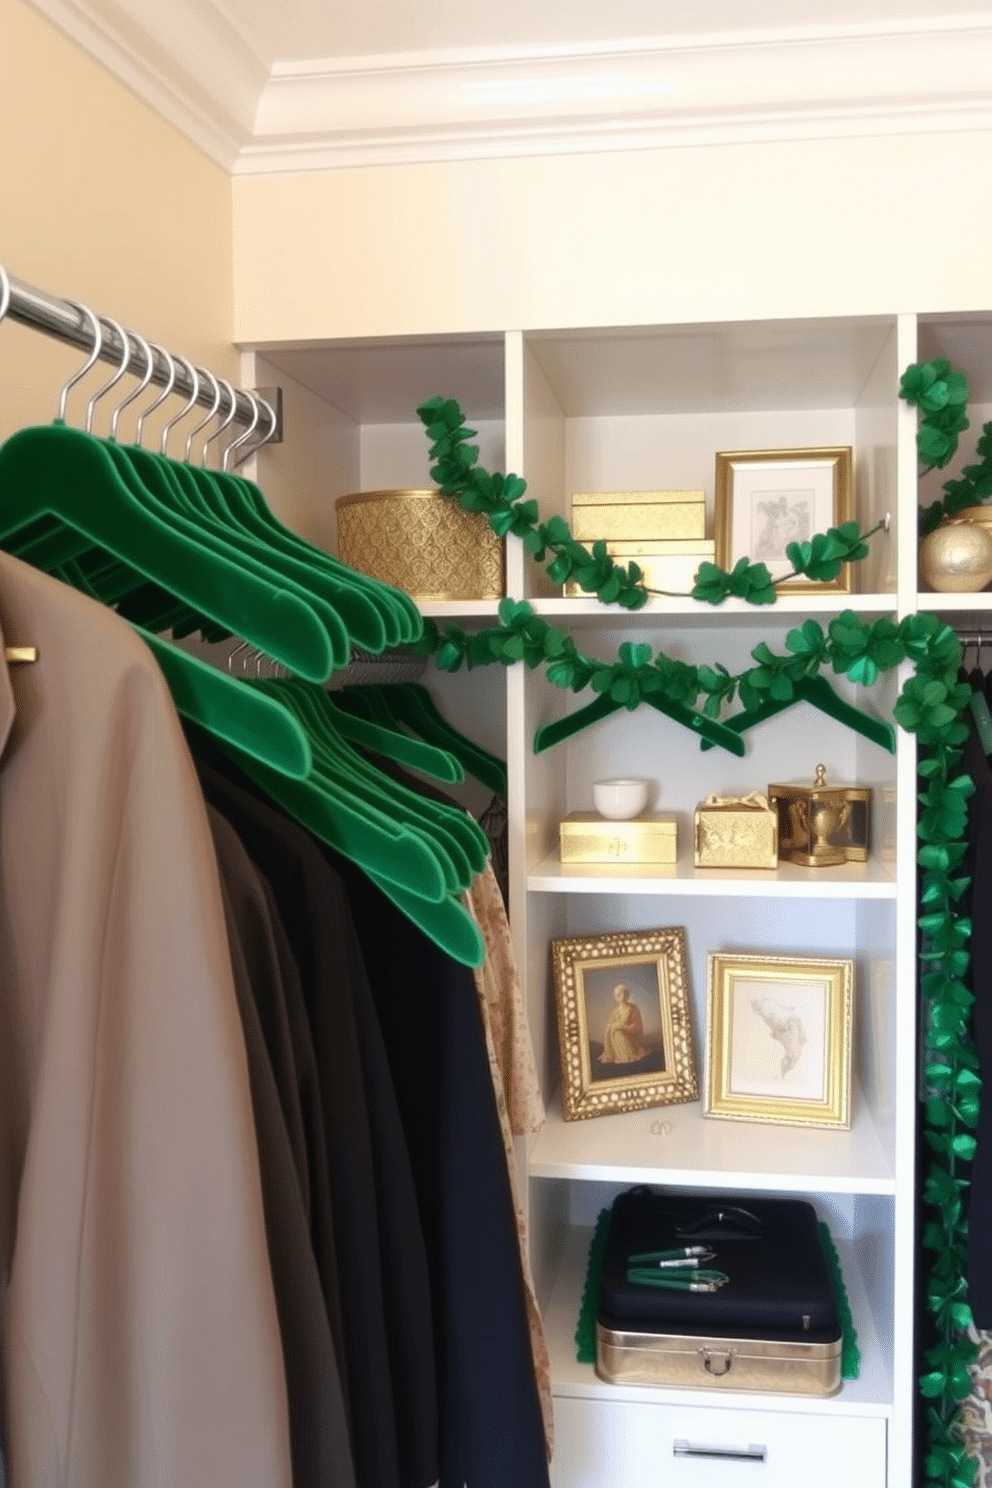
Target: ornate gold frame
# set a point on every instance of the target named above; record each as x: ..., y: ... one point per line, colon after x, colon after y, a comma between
x: 582, y: 1094
x: 834, y: 1108
x: 843, y: 505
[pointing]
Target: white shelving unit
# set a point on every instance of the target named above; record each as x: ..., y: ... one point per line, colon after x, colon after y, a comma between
x: 639, y: 407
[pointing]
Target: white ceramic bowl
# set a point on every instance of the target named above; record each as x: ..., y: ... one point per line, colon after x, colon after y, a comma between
x: 620, y: 799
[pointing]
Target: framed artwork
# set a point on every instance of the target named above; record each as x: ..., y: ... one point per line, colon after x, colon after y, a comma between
x: 623, y: 1022
x: 778, y: 1039
x: 766, y: 499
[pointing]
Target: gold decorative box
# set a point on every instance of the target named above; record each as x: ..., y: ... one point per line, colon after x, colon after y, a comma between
x: 422, y: 543
x: 821, y: 825
x: 736, y: 832
x: 665, y: 565
x: 634, y: 516
x: 587, y: 837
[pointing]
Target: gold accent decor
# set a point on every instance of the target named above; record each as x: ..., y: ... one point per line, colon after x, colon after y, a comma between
x: 628, y: 516
x: 624, y: 1033
x: 683, y: 1361
x: 956, y: 557
x: 587, y: 837
x: 821, y: 825
x: 14, y: 654
x: 778, y: 1039
x: 418, y: 541
x: 735, y: 832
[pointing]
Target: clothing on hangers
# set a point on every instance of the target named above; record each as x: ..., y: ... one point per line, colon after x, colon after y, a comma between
x: 291, y: 1182
x: 141, y: 1340
x: 391, y: 1372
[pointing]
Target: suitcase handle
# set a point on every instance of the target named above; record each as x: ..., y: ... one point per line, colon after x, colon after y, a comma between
x: 752, y: 1453
x: 711, y: 1357
x: 723, y: 1222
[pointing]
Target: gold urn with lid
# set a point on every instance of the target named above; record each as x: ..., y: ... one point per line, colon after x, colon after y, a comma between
x: 821, y: 825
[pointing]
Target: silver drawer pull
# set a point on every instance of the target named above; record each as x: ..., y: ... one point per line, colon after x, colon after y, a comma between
x: 733, y: 1454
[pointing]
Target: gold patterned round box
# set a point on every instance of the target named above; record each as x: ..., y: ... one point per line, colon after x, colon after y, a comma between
x: 420, y: 542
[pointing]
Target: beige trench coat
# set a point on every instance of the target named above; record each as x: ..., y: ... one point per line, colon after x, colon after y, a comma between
x: 140, y: 1344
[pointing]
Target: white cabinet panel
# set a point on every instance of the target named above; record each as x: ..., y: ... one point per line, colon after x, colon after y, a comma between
x: 625, y: 1445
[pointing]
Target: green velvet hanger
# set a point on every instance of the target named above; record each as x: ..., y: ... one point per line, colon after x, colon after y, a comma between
x: 411, y: 704
x: 458, y: 840
x: 193, y: 493
x: 222, y: 705
x: 229, y: 710
x: 449, y: 925
x: 169, y: 489
x: 443, y: 919
x: 455, y: 822
x: 371, y: 840
x: 245, y: 504
x: 70, y: 476
x: 413, y: 753
x: 818, y: 692
x: 709, y: 729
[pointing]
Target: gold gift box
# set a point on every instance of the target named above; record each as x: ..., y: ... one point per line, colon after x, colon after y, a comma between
x: 821, y: 825
x: 418, y: 541
x: 671, y: 566
x: 635, y: 516
x: 587, y: 837
x: 735, y: 833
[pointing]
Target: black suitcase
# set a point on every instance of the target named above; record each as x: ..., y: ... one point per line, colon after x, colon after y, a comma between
x: 774, y: 1325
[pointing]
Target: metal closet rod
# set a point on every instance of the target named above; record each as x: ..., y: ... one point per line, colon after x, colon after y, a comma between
x: 44, y: 312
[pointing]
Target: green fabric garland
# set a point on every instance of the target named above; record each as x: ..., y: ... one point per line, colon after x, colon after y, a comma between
x: 585, y: 1328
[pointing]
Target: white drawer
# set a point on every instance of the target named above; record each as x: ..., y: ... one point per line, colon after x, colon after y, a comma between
x: 605, y: 1444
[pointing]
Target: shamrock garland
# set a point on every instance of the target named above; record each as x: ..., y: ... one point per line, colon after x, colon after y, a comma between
x: 930, y: 705
x: 858, y: 649
x: 499, y: 498
x: 941, y: 395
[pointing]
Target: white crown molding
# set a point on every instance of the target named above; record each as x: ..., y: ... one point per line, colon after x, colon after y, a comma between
x: 693, y: 90
x: 191, y: 63
x: 183, y: 58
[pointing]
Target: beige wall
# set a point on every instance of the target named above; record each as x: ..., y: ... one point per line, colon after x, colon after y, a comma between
x: 101, y: 200
x: 734, y: 232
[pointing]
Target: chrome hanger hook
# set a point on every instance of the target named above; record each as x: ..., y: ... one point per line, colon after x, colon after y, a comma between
x: 195, y: 379
x: 87, y: 314
x: 146, y: 378
x: 121, y: 369
x: 243, y: 438
x: 225, y: 422
x: 204, y: 421
x: 157, y: 403
x: 241, y: 646
x: 4, y: 292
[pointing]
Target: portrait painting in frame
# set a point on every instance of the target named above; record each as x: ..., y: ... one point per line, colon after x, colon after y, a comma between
x: 624, y: 1028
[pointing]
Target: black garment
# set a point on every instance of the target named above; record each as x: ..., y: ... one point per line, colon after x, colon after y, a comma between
x: 979, y: 904
x: 384, y: 1283
x: 492, y: 1434
x: 319, y: 1436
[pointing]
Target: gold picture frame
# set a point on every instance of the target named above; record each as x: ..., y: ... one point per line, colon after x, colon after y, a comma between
x: 624, y: 1028
x: 778, y: 1039
x: 766, y: 499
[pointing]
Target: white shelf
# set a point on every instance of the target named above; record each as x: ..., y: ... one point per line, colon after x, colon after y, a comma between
x: 459, y: 609
x: 586, y: 609
x: 869, y: 1394
x: 713, y: 1152
x: 871, y: 880
x: 955, y: 604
